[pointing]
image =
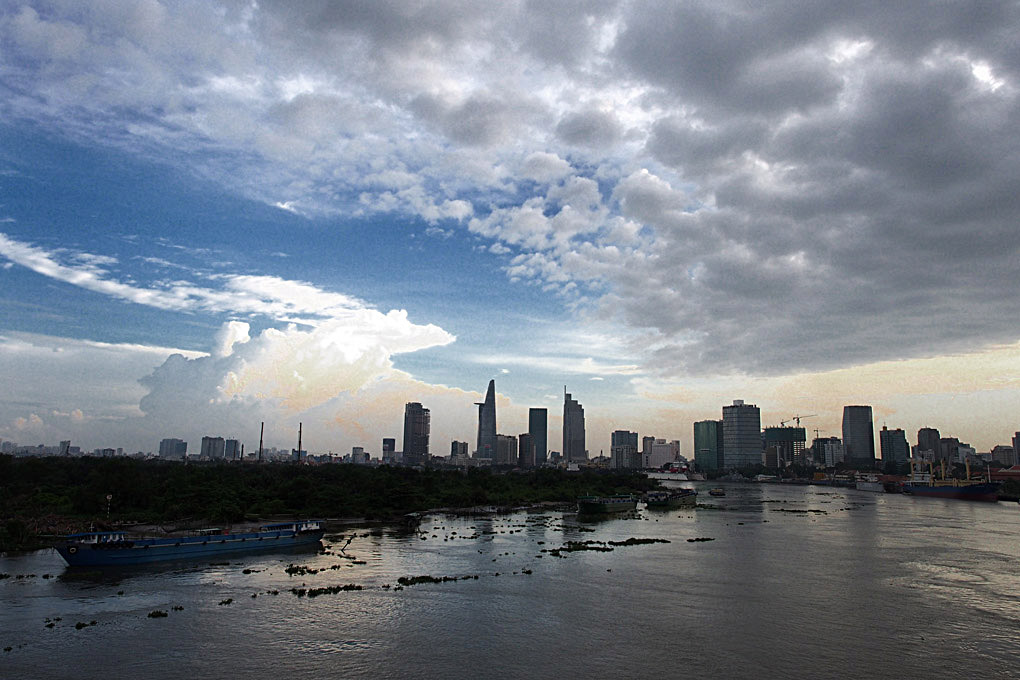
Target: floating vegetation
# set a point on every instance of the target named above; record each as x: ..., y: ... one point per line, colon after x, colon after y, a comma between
x: 700, y: 539
x: 157, y: 614
x: 330, y: 590
x: 120, y: 592
x: 4, y: 575
x: 638, y: 541
x: 802, y: 512
x: 226, y: 601
x: 50, y: 624
x: 415, y: 580
x: 300, y: 570
x: 177, y: 608
x: 251, y: 571
x: 82, y: 624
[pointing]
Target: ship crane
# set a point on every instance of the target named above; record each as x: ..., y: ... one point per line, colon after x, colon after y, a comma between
x: 797, y: 419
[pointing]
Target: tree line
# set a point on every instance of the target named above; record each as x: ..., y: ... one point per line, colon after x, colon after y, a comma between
x: 54, y: 495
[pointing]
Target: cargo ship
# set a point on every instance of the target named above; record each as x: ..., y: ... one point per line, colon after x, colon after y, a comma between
x: 598, y: 505
x: 925, y: 484
x: 118, y: 548
x: 673, y: 498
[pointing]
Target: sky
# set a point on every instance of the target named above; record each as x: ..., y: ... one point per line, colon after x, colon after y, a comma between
x: 214, y: 214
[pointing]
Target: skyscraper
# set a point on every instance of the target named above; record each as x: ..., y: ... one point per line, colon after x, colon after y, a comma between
x: 828, y: 451
x: 894, y: 445
x: 741, y: 435
x: 538, y: 428
x: 787, y: 444
x: 573, y: 430
x: 928, y: 439
x: 417, y: 424
x: 858, y: 435
x: 525, y: 450
x: 505, y: 451
x: 486, y: 447
x: 708, y: 445
x: 623, y: 450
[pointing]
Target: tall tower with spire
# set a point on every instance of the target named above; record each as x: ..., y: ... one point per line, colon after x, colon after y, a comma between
x: 486, y: 447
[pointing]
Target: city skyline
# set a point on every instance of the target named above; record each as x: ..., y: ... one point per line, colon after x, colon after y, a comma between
x: 320, y: 216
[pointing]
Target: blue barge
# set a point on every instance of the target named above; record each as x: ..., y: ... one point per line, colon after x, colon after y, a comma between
x: 117, y: 548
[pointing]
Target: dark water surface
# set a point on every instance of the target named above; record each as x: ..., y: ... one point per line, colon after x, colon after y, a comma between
x: 800, y: 582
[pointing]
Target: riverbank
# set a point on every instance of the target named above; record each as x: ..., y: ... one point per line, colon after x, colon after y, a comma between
x: 46, y: 497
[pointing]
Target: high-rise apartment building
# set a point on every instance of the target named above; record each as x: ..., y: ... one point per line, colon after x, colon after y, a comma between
x: 949, y: 450
x: 858, y: 435
x: 828, y: 451
x: 486, y: 443
x: 173, y: 449
x: 658, y: 453
x: 894, y: 445
x: 212, y: 448
x: 525, y: 450
x: 573, y: 430
x: 506, y: 450
x: 389, y: 449
x: 232, y: 449
x: 538, y: 428
x: 417, y: 423
x: 1004, y: 454
x: 623, y: 450
x: 708, y: 445
x: 785, y: 445
x: 928, y: 439
x: 741, y: 435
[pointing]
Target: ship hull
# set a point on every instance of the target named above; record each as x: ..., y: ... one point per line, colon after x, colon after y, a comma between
x: 605, y: 506
x: 149, y: 550
x: 666, y: 501
x: 973, y: 492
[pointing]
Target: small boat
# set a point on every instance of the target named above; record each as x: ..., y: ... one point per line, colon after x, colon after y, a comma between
x: 598, y: 505
x: 869, y: 482
x: 669, y: 476
x: 674, y: 498
x: 114, y: 548
x: 717, y: 491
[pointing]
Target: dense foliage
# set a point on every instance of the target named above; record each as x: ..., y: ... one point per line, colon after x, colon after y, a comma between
x: 44, y: 495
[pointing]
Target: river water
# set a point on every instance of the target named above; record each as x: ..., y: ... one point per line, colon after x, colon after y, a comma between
x: 799, y: 582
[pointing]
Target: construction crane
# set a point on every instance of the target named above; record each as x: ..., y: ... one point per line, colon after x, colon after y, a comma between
x: 797, y: 419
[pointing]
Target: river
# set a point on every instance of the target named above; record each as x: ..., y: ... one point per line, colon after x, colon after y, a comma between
x: 798, y: 582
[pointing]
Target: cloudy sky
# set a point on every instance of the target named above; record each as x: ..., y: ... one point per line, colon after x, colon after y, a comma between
x: 218, y: 213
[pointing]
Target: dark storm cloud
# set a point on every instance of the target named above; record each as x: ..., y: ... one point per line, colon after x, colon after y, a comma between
x: 762, y: 187
x: 589, y: 128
